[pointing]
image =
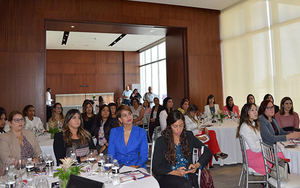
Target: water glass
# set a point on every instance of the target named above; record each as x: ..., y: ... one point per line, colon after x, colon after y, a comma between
x: 41, y: 182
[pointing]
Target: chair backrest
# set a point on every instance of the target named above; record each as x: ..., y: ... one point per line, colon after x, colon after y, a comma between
x: 156, y: 133
x: 244, y: 153
x: 271, y: 161
x: 152, y: 151
x: 78, y: 182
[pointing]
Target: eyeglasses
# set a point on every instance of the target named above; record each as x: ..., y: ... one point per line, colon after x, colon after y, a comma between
x: 270, y: 108
x: 18, y: 120
x: 176, y: 126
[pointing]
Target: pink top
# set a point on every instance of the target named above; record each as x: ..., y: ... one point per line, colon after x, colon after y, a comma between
x: 235, y: 109
x: 287, y: 121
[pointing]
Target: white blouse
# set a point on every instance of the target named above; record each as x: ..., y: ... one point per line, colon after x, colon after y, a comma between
x: 190, y: 124
x: 35, y: 124
x: 163, y: 119
x: 207, y: 111
x: 252, y: 138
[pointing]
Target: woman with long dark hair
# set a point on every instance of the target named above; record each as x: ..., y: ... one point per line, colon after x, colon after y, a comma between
x: 2, y: 119
x: 184, y: 104
x: 230, y: 109
x: 172, y: 158
x: 137, y: 112
x: 211, y: 109
x: 250, y: 99
x: 286, y: 117
x: 101, y: 128
x: 88, y: 115
x: 73, y: 138
x: 269, y: 128
x: 168, y: 107
x: 154, y: 117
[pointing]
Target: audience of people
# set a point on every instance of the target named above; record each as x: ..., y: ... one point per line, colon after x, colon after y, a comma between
x: 172, y: 158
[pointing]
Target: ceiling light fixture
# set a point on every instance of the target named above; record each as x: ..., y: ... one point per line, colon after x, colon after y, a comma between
x: 65, y: 38
x: 117, y: 40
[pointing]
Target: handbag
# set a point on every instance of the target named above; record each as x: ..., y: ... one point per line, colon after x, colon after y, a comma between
x: 206, y: 180
x: 283, y: 167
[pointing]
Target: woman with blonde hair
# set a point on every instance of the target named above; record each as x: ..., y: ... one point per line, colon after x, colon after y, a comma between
x: 73, y: 138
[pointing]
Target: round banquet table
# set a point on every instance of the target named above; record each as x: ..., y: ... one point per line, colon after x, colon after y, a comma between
x: 228, y: 143
x: 294, y: 155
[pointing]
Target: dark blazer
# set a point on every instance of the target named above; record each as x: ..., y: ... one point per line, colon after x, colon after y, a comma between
x: 160, y: 108
x: 89, y: 123
x: 161, y: 167
x: 108, y: 125
x: 267, y: 132
x: 60, y: 147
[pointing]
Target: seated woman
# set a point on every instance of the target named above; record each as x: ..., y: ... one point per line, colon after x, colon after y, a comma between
x: 172, y: 159
x: 88, y: 115
x: 101, y: 128
x: 184, y: 105
x: 128, y: 143
x: 250, y: 99
x: 57, y: 118
x: 113, y: 110
x: 73, y: 138
x: 2, y: 120
x: 168, y: 107
x: 192, y: 123
x: 269, y: 128
x: 211, y: 109
x: 154, y: 117
x: 286, y: 117
x: 32, y: 122
x: 230, y: 109
x: 270, y: 98
x: 147, y: 112
x: 249, y: 129
x: 18, y: 143
x: 137, y: 112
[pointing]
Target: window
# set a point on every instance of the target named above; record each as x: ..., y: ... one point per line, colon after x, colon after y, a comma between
x: 260, y: 50
x: 153, y: 70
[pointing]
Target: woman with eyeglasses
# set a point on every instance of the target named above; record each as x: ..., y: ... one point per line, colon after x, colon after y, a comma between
x: 57, y: 118
x: 172, y: 158
x: 269, y: 128
x: 18, y: 143
x: 128, y: 143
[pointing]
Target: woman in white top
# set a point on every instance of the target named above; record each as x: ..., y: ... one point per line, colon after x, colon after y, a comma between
x: 210, y: 109
x: 167, y: 105
x: 249, y: 129
x: 137, y: 112
x: 192, y: 123
x: 32, y: 122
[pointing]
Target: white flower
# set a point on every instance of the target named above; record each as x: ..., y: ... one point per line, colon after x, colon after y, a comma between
x: 66, y: 163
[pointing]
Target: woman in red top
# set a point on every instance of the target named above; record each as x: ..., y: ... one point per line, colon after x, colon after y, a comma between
x: 230, y: 109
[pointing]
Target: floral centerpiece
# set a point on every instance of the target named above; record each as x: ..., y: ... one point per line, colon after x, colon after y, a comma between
x: 221, y: 116
x: 66, y: 170
x: 53, y: 131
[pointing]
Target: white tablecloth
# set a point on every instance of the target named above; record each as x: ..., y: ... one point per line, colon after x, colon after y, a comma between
x: 294, y: 155
x: 46, y: 144
x: 226, y: 136
x: 148, y: 182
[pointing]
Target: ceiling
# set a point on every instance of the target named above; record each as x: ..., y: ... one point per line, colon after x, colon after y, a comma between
x: 99, y: 41
x: 208, y: 4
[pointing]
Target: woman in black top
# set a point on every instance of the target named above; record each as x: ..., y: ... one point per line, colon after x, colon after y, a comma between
x: 172, y: 158
x: 135, y: 94
x: 102, y: 126
x: 154, y: 117
x: 88, y: 115
x: 73, y: 138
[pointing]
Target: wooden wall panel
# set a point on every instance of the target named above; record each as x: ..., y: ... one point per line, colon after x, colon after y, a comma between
x: 68, y: 70
x: 22, y: 43
x: 131, y: 68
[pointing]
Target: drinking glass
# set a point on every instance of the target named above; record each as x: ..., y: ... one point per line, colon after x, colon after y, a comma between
x: 41, y: 182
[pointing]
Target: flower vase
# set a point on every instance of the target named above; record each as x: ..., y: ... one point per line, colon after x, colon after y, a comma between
x: 52, y: 136
x: 63, y: 183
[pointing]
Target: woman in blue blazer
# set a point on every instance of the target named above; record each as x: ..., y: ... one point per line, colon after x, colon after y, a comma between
x: 128, y: 143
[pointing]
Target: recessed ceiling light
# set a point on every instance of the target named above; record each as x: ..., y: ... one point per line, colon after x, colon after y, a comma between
x: 72, y: 26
